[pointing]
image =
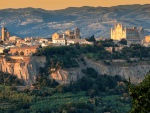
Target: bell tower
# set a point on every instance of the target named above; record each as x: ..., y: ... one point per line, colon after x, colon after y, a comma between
x: 77, y: 33
x: 4, y: 33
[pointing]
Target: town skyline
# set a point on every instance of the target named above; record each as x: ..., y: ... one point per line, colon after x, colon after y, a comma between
x: 59, y: 4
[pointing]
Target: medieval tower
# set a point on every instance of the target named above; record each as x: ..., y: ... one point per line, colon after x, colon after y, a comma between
x: 4, y: 33
x: 8, y: 34
x: 77, y: 33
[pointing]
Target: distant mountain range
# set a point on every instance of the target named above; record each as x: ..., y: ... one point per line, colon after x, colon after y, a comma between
x: 97, y: 21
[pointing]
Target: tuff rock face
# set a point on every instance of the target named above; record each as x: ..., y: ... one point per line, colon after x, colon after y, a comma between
x: 135, y: 73
x: 67, y: 75
x: 26, y: 70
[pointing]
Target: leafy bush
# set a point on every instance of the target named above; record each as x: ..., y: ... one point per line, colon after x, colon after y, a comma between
x: 8, y: 79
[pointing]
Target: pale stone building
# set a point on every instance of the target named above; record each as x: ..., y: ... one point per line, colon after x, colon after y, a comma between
x: 80, y: 41
x: 60, y: 41
x: 133, y: 35
x: 14, y: 38
x: 27, y: 50
x: 147, y: 38
x: 67, y: 35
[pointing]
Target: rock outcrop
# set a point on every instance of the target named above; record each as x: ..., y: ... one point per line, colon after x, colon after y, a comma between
x: 135, y: 73
x: 26, y: 70
x: 67, y: 75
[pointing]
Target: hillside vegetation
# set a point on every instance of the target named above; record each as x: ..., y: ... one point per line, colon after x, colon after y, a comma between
x: 93, y: 93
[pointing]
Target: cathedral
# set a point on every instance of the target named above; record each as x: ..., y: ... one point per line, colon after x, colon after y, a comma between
x: 133, y: 35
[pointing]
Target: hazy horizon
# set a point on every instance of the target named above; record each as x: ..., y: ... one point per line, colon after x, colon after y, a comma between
x: 59, y: 4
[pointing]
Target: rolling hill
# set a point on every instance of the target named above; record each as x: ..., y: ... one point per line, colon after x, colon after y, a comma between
x: 27, y: 22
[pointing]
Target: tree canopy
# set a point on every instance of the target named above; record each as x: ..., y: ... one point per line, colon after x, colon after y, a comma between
x: 123, y: 41
x: 140, y: 95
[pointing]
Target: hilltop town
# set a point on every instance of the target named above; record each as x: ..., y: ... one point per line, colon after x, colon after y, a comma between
x: 28, y: 46
x: 16, y: 46
x: 73, y: 67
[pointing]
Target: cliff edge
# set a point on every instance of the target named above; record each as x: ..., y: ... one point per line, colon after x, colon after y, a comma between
x: 136, y: 73
x: 26, y: 70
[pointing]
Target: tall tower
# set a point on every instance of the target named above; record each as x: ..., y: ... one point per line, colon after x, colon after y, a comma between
x: 77, y: 33
x: 8, y: 34
x: 4, y: 33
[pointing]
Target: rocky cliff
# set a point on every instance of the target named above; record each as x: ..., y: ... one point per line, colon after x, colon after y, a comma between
x: 135, y: 73
x: 26, y: 70
x: 66, y: 75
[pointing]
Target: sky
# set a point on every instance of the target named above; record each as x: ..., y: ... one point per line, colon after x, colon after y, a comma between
x: 62, y: 4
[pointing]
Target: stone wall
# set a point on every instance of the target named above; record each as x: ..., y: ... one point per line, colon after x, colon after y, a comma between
x: 20, y: 57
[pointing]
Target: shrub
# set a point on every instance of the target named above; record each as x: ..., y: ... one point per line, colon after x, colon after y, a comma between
x: 22, y: 53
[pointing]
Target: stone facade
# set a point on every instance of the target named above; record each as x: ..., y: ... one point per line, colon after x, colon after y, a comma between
x: 80, y: 41
x: 118, y: 49
x: 60, y: 41
x: 14, y: 38
x: 133, y: 35
x: 77, y: 33
x: 26, y: 50
x: 67, y: 35
x: 4, y: 34
x: 147, y: 38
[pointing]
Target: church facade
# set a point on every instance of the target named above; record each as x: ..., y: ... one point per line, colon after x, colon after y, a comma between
x: 133, y: 35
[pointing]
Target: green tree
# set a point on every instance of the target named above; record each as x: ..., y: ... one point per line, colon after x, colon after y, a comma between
x: 113, y: 49
x: 123, y: 41
x: 91, y: 39
x: 16, y: 53
x: 140, y: 95
x: 5, y: 51
x: 1, y: 42
x: 21, y: 53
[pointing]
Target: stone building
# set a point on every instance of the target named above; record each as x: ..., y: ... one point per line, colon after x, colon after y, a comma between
x: 67, y: 35
x: 14, y: 38
x: 60, y: 41
x: 80, y: 41
x: 4, y: 34
x: 147, y: 38
x: 77, y: 33
x: 27, y: 50
x: 70, y: 34
x: 133, y: 35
